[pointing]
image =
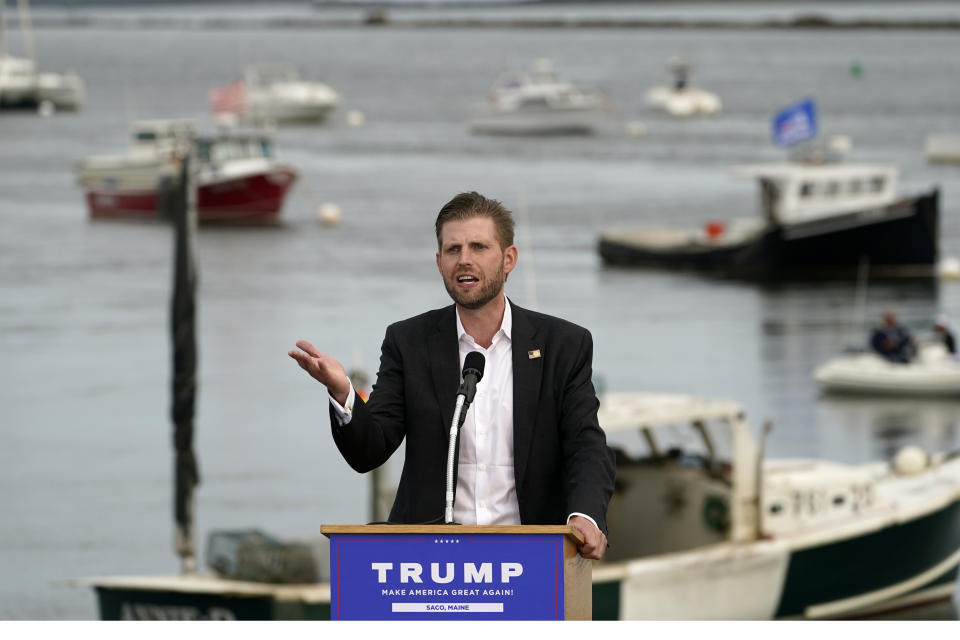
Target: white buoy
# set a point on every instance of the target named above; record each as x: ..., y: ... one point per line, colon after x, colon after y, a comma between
x: 949, y: 269
x: 910, y: 460
x: 636, y: 129
x: 46, y: 108
x: 329, y: 214
x: 355, y: 118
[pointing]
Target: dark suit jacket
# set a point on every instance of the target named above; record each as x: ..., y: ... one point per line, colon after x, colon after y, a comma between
x: 561, y: 460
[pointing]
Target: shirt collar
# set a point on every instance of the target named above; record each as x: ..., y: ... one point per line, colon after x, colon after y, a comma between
x: 506, y: 325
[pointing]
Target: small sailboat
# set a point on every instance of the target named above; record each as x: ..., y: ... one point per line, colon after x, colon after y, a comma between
x: 23, y: 85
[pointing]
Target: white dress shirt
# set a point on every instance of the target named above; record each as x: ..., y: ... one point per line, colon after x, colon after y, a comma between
x: 486, y: 485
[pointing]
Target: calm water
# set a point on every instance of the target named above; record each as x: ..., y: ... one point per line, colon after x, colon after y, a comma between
x: 85, y: 461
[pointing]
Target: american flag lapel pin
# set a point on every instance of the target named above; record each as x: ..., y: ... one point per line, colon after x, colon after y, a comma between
x: 533, y: 354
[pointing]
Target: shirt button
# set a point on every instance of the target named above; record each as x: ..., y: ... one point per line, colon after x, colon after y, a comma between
x: 480, y: 432
x: 483, y: 467
x: 483, y: 504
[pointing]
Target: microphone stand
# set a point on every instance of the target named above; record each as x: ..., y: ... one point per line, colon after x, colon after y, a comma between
x: 459, y: 413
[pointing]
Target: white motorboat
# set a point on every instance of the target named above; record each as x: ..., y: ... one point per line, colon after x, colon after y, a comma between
x: 273, y: 92
x: 539, y: 102
x: 679, y: 98
x: 702, y: 526
x: 934, y: 372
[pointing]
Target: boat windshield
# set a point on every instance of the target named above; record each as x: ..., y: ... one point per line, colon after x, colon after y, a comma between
x: 272, y: 74
x: 218, y: 150
x: 707, y: 440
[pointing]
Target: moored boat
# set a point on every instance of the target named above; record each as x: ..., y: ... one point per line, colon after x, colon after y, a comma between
x: 817, y: 219
x: 934, y: 372
x: 23, y: 85
x: 273, y: 93
x: 539, y: 102
x: 237, y: 178
x: 703, y: 533
x: 680, y: 99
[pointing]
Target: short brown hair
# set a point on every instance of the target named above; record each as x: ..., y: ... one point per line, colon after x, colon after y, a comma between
x: 473, y: 205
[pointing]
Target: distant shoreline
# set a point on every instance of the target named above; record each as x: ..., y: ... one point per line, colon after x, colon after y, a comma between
x: 383, y: 20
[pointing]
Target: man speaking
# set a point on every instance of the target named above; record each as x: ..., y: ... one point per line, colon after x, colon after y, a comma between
x: 530, y: 450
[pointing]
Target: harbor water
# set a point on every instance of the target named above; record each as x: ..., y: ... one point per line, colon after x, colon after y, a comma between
x: 85, y: 435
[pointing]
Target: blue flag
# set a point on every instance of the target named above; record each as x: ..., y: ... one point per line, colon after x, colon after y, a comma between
x: 795, y: 124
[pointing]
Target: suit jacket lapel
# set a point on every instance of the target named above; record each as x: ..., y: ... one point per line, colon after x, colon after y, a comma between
x: 527, y: 374
x: 445, y: 363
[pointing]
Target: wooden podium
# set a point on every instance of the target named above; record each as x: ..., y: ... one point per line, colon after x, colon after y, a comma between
x: 457, y: 572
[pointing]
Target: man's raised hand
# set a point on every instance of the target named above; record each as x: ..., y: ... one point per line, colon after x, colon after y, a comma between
x: 323, y: 369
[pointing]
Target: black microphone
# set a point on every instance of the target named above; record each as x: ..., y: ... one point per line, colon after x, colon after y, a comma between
x: 472, y: 374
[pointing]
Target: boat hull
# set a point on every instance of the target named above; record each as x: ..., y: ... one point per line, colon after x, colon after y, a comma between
x: 899, y: 240
x: 287, y: 112
x: 912, y: 564
x: 198, y: 597
x: 870, y: 374
x: 253, y: 199
x: 895, y: 555
x: 547, y: 121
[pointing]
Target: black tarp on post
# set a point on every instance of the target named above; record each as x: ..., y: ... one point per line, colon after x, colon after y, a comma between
x: 181, y: 199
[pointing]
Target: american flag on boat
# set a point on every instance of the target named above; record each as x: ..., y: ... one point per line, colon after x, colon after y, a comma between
x: 228, y: 99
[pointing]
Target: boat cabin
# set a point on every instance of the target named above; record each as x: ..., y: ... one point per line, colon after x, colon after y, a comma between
x: 794, y: 192
x: 154, y: 135
x: 222, y: 148
x: 687, y: 471
x: 265, y: 74
x: 691, y: 473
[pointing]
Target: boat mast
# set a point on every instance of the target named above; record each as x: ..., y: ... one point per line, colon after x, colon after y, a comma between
x: 26, y: 29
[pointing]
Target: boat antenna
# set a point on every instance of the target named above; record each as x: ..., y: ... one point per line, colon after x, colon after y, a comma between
x: 182, y: 203
x: 3, y: 25
x: 529, y: 279
x: 26, y: 29
x: 860, y: 296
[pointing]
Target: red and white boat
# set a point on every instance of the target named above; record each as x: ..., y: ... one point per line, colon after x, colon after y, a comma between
x: 273, y: 92
x: 238, y: 180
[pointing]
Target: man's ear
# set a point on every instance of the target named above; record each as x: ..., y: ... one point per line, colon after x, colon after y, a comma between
x: 438, y: 263
x: 510, y: 256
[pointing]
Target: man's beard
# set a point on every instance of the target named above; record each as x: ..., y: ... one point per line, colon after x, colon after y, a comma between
x: 489, y: 290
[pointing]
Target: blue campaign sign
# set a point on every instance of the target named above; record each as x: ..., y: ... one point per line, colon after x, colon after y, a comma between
x: 446, y: 577
x: 795, y: 124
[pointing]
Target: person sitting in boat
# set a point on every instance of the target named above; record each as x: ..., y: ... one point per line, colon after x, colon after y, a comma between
x: 892, y: 340
x: 942, y: 333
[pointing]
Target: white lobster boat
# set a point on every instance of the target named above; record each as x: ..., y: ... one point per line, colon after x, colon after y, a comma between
x: 697, y: 533
x: 238, y: 179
